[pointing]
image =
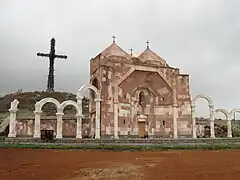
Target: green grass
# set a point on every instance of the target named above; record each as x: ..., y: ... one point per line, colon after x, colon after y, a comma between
x: 125, y: 147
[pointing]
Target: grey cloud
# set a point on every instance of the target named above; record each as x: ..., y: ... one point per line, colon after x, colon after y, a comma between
x: 200, y: 37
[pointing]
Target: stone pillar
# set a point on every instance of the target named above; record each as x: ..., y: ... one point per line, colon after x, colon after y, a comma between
x: 116, y: 119
x: 194, y: 133
x: 211, y: 110
x: 79, y: 126
x: 175, y: 116
x: 59, y: 125
x: 175, y: 110
x: 79, y: 103
x: 12, y: 123
x: 37, y: 124
x: 98, y: 118
x: 229, y: 127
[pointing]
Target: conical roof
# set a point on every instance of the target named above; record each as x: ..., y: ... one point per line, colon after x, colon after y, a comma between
x: 115, y: 50
x: 148, y: 54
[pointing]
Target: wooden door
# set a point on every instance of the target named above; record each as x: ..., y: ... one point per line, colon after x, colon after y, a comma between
x: 141, y: 129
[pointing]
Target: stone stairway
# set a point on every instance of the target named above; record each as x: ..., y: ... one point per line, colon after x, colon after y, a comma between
x: 4, y: 124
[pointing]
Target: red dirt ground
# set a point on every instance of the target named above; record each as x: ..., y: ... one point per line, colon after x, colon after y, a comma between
x: 27, y: 164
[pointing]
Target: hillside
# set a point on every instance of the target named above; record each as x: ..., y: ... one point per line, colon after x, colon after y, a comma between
x: 27, y: 101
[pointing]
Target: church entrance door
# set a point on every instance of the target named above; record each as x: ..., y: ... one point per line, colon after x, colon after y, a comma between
x: 141, y: 129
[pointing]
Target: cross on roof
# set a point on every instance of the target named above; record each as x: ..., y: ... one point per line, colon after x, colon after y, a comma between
x: 147, y: 44
x: 131, y: 50
x: 114, y: 37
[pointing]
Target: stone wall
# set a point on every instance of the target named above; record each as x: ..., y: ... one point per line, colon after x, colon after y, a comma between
x: 121, y: 77
x: 25, y: 127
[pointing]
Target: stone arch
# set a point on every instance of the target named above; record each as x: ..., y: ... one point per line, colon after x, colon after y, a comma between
x: 79, y: 119
x: 140, y: 94
x: 234, y: 110
x: 211, y: 113
x: 38, y: 111
x: 95, y: 82
x: 72, y: 103
x: 229, y: 125
x: 98, y: 105
x: 223, y: 111
x: 147, y: 91
x: 85, y: 87
x: 203, y: 96
x: 39, y: 105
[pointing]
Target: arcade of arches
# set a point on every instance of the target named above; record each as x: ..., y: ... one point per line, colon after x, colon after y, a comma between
x: 141, y: 122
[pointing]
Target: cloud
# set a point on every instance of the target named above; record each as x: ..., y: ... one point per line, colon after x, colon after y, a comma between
x: 199, y: 37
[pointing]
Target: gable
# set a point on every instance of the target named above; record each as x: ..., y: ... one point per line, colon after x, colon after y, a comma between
x: 115, y: 50
x: 149, y: 55
x: 146, y: 79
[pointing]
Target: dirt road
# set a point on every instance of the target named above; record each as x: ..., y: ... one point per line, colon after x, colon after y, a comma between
x: 27, y: 164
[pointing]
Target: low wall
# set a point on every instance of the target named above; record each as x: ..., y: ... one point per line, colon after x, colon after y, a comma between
x: 25, y: 127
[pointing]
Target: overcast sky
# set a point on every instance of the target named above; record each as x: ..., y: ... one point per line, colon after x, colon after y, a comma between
x: 200, y: 37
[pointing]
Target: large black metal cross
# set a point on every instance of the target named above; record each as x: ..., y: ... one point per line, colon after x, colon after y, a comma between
x: 52, y: 56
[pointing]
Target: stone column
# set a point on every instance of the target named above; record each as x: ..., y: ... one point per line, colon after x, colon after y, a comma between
x: 79, y: 103
x: 175, y: 116
x: 98, y: 118
x: 37, y: 124
x: 229, y: 127
x: 116, y: 119
x: 12, y: 123
x: 175, y: 110
x: 59, y: 125
x: 79, y: 126
x: 212, y: 132
x: 194, y: 133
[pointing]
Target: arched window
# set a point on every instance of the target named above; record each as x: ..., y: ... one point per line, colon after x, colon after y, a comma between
x: 96, y: 84
x: 141, y: 98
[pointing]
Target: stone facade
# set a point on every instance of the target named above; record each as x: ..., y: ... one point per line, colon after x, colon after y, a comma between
x: 140, y: 95
x: 25, y: 127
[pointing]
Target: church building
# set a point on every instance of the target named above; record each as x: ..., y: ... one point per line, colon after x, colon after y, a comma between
x: 143, y: 96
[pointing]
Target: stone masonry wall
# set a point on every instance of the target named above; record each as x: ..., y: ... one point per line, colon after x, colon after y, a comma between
x: 184, y: 104
x: 148, y: 73
x: 25, y: 127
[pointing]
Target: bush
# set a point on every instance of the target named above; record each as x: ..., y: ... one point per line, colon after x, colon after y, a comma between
x: 236, y: 130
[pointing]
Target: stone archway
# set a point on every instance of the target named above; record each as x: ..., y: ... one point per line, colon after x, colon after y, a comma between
x: 232, y: 112
x: 79, y: 119
x: 97, y: 99
x: 142, y: 123
x: 229, y: 125
x: 211, y: 112
x: 38, y: 112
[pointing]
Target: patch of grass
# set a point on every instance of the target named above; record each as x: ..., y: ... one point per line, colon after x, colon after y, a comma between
x: 124, y: 147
